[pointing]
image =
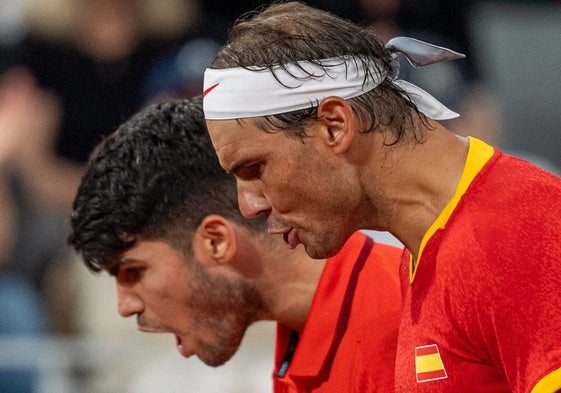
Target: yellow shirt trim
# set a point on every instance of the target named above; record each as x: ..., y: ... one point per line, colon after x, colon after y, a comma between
x: 478, y: 155
x: 550, y: 383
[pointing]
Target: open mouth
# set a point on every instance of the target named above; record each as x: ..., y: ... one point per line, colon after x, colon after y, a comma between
x: 182, y: 350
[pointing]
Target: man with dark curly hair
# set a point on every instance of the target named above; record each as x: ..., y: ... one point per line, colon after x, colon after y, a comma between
x: 309, y: 113
x: 156, y: 210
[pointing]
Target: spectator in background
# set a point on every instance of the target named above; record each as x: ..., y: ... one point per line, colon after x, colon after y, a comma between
x: 21, y: 309
x: 218, y: 16
x: 84, y: 64
x: 179, y: 74
x: 71, y: 71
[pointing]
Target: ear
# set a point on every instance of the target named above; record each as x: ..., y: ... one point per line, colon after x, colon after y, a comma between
x: 337, y: 123
x: 214, y: 241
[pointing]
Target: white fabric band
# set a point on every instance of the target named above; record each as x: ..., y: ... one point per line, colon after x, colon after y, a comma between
x: 235, y: 93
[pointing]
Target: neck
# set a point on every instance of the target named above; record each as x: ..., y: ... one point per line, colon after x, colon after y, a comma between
x: 414, y: 182
x: 290, y: 285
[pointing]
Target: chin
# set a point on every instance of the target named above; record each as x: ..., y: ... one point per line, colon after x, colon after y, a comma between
x: 319, y: 253
x: 215, y: 357
x: 324, y: 249
x: 214, y: 361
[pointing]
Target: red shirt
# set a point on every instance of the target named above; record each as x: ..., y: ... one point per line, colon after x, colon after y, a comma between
x: 482, y: 307
x: 349, y: 340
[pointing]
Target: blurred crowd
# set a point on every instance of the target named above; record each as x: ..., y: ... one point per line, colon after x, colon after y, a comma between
x: 72, y: 70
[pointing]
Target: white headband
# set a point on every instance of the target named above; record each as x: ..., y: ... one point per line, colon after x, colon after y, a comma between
x: 235, y: 93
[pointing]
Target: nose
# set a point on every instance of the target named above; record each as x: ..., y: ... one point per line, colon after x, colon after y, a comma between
x: 251, y: 200
x: 128, y: 303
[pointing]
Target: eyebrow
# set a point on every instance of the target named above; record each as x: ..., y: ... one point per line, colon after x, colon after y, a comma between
x: 118, y: 264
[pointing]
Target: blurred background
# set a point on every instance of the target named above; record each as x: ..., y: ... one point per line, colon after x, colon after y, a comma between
x: 72, y: 70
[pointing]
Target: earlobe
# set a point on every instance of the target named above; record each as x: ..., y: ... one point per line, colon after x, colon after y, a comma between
x: 215, y: 240
x: 336, y: 119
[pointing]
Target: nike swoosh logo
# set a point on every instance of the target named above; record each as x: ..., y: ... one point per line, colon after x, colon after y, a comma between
x: 208, y: 90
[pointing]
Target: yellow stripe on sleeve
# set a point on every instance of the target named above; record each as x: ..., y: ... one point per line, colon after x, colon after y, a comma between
x: 550, y: 383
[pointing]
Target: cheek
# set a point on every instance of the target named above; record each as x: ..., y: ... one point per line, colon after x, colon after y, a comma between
x: 285, y: 192
x: 170, y: 304
x: 296, y: 174
x: 169, y: 296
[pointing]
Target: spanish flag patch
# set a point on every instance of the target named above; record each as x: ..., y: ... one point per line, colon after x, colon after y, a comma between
x: 428, y: 363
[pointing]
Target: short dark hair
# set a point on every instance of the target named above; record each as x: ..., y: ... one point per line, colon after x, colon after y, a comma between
x: 156, y: 177
x: 288, y: 32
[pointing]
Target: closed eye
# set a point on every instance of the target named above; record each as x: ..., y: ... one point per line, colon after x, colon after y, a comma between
x: 128, y: 275
x: 249, y: 172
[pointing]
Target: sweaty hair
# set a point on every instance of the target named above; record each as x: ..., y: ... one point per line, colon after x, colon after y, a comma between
x: 156, y: 177
x: 290, y: 32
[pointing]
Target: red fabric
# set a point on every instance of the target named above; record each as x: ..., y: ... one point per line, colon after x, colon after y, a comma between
x: 348, y: 343
x: 487, y: 289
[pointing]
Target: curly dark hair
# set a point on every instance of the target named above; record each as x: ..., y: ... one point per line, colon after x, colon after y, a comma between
x: 287, y: 32
x: 156, y: 177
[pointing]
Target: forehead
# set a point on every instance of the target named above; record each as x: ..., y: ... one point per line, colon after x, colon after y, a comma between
x: 225, y: 132
x: 238, y: 140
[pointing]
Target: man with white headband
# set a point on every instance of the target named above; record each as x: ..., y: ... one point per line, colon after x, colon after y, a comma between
x: 307, y: 111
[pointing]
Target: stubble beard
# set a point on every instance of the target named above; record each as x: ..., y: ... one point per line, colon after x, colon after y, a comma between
x: 230, y: 308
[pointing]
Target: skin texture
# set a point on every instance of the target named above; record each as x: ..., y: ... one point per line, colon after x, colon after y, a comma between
x: 375, y: 161
x: 206, y: 309
x: 209, y: 299
x: 156, y: 210
x: 273, y: 179
x: 319, y: 190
